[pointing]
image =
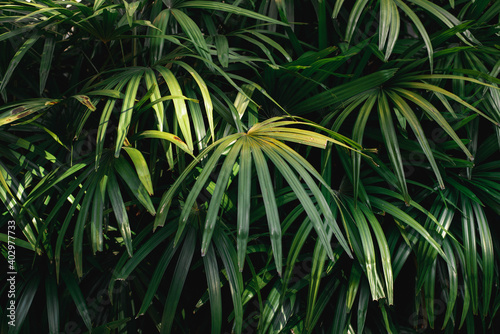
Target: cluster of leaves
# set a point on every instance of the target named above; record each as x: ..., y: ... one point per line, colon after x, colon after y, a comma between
x: 251, y: 166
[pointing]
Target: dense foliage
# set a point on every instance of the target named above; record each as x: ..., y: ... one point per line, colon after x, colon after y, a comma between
x: 251, y: 166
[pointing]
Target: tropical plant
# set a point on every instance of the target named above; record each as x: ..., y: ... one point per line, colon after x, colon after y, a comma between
x: 250, y: 166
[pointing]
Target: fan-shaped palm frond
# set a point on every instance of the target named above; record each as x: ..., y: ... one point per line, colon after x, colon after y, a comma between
x: 250, y: 166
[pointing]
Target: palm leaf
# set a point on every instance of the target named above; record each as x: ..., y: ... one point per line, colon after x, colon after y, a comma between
x: 417, y: 129
x: 97, y: 218
x: 391, y: 142
x: 46, y: 61
x: 343, y: 92
x: 487, y: 255
x: 354, y: 16
x: 152, y: 83
x: 52, y: 304
x: 79, y: 228
x: 127, y: 108
x: 229, y: 259
x: 120, y: 212
x: 398, y: 214
x: 135, y: 184
x: 192, y: 30
x: 178, y: 279
x: 17, y: 59
x: 179, y: 104
x: 24, y: 303
x: 78, y: 299
x: 207, y: 100
x: 244, y: 192
x: 228, y: 8
x: 218, y: 192
x: 214, y: 291
x: 269, y: 203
